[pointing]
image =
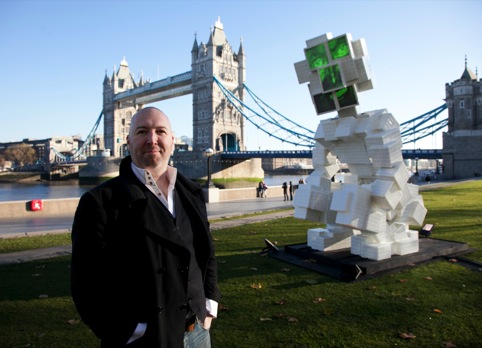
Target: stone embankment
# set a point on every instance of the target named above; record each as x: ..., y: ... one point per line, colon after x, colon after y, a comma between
x: 13, y: 177
x: 49, y: 207
x: 54, y: 207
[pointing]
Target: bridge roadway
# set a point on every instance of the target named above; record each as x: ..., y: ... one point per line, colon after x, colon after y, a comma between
x: 407, y: 154
x: 433, y: 154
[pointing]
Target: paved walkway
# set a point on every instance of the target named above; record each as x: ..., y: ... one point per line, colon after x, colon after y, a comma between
x: 222, y: 219
x: 35, y: 224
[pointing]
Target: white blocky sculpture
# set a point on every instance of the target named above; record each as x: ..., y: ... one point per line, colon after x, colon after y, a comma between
x: 371, y: 210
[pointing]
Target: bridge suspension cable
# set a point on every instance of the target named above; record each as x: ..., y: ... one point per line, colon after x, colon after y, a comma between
x: 257, y: 100
x: 271, y: 122
x: 411, y: 131
x: 80, y: 153
x: 280, y: 127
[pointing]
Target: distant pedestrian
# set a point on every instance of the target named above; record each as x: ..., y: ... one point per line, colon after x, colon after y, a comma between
x: 291, y: 191
x: 285, y: 190
x: 260, y: 189
x: 427, y: 179
x: 265, y: 190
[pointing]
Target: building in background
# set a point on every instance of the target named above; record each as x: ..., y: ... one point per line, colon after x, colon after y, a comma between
x: 462, y: 143
x: 48, y: 150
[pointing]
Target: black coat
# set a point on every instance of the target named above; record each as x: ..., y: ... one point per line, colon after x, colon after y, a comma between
x: 129, y: 264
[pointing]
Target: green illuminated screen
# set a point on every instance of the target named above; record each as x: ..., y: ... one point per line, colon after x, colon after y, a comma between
x: 339, y: 47
x: 331, y: 78
x: 316, y: 56
x: 347, y: 97
x: 324, y: 102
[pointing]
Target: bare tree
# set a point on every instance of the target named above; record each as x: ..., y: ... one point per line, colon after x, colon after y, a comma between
x: 21, y: 154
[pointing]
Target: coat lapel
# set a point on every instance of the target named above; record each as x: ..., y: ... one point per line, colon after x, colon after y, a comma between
x: 159, y: 221
x: 150, y: 215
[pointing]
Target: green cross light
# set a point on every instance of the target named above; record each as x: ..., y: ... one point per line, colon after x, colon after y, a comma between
x: 336, y: 71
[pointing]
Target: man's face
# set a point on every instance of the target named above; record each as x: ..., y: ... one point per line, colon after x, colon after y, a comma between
x: 150, y: 139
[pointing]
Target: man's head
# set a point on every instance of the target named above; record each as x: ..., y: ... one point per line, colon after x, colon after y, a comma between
x: 150, y: 139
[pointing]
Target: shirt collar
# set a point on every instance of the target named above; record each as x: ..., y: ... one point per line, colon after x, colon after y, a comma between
x: 146, y: 178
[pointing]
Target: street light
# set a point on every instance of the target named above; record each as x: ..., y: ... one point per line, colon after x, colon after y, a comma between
x: 209, y: 153
x: 416, y: 166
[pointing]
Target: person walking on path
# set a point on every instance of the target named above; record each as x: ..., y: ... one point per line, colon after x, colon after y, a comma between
x: 265, y: 190
x: 143, y: 270
x: 261, y: 189
x: 285, y: 191
x: 291, y: 191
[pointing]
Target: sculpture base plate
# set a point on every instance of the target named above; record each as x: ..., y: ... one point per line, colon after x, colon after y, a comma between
x: 343, y: 265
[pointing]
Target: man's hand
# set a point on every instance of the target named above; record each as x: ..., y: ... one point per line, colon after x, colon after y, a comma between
x: 207, y: 322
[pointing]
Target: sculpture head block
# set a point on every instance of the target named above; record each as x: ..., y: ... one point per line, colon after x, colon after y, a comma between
x: 337, y: 70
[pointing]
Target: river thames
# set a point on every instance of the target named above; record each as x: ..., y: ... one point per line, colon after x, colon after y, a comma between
x: 71, y: 189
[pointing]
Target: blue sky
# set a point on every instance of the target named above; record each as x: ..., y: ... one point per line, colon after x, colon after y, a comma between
x: 55, y: 55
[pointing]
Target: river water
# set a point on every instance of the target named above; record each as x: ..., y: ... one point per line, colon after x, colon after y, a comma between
x: 40, y: 190
x: 71, y: 189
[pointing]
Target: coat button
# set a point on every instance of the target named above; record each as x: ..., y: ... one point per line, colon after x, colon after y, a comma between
x: 159, y: 309
x: 183, y: 269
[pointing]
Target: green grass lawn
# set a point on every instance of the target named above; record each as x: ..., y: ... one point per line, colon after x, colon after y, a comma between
x: 269, y: 303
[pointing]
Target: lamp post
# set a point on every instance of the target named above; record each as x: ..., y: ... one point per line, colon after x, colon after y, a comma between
x: 209, y: 152
x: 416, y: 166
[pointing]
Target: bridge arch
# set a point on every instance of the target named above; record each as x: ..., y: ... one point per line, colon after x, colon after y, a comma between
x: 227, y: 142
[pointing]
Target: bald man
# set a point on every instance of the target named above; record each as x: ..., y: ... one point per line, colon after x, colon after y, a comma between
x: 143, y: 270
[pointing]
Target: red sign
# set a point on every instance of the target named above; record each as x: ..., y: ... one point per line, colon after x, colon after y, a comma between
x: 36, y: 204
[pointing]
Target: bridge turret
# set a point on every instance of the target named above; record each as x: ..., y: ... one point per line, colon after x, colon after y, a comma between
x: 240, y: 89
x: 108, y: 90
x: 241, y: 63
x: 106, y: 80
x: 195, y: 49
x: 210, y: 45
x: 468, y: 74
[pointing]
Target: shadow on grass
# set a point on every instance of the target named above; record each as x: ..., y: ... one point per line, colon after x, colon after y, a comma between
x: 34, y: 280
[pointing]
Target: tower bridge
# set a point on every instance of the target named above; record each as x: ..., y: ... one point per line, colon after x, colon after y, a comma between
x: 216, y: 124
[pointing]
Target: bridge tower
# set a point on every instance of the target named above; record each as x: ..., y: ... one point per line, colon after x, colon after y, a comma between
x: 462, y: 143
x: 118, y: 114
x: 216, y: 123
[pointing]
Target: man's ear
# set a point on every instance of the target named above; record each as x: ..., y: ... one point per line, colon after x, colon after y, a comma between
x: 128, y: 142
